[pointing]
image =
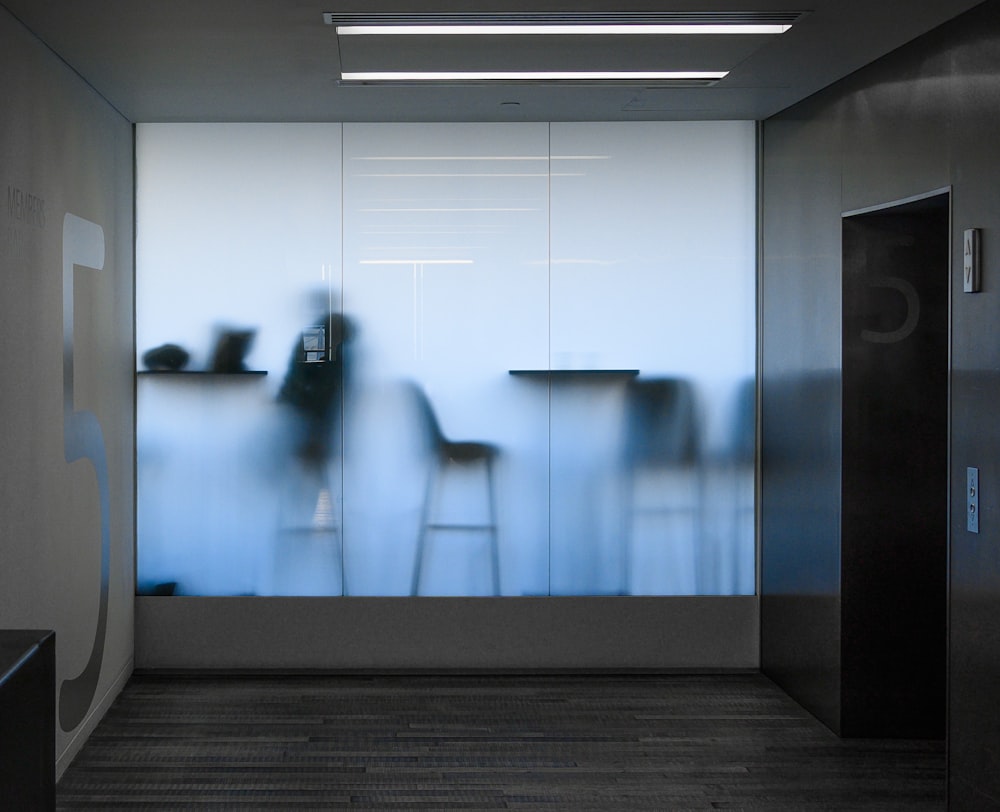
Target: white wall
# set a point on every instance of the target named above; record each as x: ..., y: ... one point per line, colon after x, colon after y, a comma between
x: 64, y: 150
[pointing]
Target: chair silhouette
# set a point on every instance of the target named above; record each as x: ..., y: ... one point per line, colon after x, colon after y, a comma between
x: 743, y: 435
x: 741, y: 453
x: 661, y: 435
x: 447, y: 454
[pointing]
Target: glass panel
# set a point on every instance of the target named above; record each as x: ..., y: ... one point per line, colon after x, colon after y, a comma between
x: 238, y: 261
x: 652, y: 269
x: 446, y: 276
x: 477, y: 393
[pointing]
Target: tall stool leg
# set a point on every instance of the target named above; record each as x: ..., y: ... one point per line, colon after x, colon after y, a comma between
x: 425, y: 517
x: 429, y: 523
x: 628, y: 526
x: 494, y: 542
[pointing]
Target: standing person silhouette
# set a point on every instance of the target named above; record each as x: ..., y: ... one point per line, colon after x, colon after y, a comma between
x: 314, y: 387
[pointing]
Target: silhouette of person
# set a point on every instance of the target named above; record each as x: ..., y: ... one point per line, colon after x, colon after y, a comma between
x: 314, y: 386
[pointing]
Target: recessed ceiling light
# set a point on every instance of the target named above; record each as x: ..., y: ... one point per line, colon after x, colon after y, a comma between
x: 530, y: 76
x: 627, y: 29
x: 565, y: 18
x: 385, y: 26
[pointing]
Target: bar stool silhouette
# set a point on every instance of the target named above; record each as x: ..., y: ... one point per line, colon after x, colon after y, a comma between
x: 447, y: 454
x: 661, y: 435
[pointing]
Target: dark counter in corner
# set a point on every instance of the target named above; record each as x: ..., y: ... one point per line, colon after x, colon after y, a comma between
x: 27, y: 719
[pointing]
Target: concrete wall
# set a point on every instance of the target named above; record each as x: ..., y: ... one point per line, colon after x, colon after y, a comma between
x: 922, y: 118
x: 66, y: 382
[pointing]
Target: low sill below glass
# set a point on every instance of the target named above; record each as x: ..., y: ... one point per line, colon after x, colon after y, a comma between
x: 251, y: 372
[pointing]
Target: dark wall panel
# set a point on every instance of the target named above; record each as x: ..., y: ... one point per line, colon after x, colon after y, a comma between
x: 800, y: 411
x: 921, y: 119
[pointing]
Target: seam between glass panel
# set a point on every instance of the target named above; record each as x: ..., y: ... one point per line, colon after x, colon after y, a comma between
x: 548, y: 360
x: 343, y: 381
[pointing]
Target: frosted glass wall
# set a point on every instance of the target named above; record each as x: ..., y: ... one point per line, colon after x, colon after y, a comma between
x: 238, y: 253
x: 652, y: 272
x: 448, y: 359
x: 445, y: 272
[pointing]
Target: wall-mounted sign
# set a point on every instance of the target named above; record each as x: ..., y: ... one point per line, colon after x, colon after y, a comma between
x: 972, y: 267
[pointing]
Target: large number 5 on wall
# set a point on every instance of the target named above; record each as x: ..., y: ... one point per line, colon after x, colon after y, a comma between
x: 83, y: 246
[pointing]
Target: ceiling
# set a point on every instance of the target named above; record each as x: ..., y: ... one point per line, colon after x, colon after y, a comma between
x: 276, y: 60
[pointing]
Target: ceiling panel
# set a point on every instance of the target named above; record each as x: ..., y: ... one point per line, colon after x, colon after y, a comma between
x: 277, y: 60
x: 548, y: 53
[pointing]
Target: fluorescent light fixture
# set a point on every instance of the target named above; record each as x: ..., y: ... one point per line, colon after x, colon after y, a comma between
x: 529, y: 76
x: 451, y: 158
x: 562, y: 30
x: 416, y: 262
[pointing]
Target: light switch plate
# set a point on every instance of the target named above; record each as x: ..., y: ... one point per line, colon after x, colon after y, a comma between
x: 972, y: 499
x: 972, y: 276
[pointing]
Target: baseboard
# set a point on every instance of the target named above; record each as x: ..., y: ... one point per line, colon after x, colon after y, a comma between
x: 92, y: 719
x: 488, y: 635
